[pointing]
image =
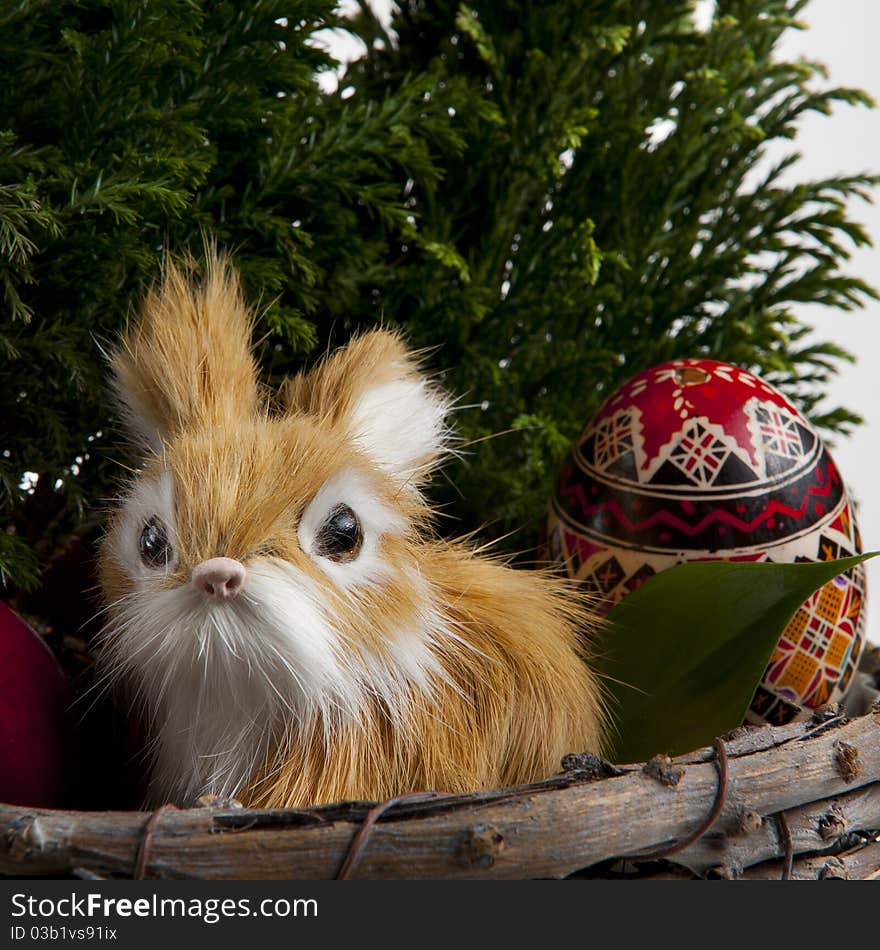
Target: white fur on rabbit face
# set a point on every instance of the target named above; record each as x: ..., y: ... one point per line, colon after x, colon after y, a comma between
x: 225, y: 682
x: 307, y: 641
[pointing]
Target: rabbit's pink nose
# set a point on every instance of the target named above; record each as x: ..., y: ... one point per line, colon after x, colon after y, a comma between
x: 219, y: 577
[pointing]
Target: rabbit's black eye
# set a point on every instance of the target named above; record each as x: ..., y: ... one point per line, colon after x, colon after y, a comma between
x: 155, y: 548
x: 340, y: 537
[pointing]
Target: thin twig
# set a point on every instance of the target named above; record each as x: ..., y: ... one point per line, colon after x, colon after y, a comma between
x: 373, y: 815
x: 720, y: 796
x: 785, y: 833
x: 143, y: 852
x: 831, y: 723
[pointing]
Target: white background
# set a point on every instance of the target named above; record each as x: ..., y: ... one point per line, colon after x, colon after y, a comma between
x: 843, y: 36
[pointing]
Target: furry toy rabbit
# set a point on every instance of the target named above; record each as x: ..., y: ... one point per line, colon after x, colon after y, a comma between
x: 277, y: 601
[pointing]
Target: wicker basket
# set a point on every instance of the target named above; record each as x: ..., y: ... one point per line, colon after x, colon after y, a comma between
x: 800, y: 801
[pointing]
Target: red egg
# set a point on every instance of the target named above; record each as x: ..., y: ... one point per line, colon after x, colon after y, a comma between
x: 34, y: 698
x: 701, y: 460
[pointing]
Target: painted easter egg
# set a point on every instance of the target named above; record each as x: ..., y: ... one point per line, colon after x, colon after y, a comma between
x: 701, y: 460
x: 34, y: 698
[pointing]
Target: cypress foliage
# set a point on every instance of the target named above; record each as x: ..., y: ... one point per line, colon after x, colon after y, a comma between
x: 553, y: 195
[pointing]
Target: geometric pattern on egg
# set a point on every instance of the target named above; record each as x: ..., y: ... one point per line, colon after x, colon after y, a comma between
x: 701, y: 460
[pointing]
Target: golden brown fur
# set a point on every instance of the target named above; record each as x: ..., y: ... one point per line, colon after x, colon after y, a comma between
x: 519, y: 698
x: 507, y: 691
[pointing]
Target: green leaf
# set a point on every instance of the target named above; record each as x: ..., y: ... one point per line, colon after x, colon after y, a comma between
x: 683, y: 654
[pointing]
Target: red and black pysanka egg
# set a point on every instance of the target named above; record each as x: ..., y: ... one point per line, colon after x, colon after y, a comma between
x: 701, y: 460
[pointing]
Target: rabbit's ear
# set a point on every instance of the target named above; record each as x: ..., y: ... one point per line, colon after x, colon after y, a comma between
x: 376, y: 388
x: 186, y: 360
